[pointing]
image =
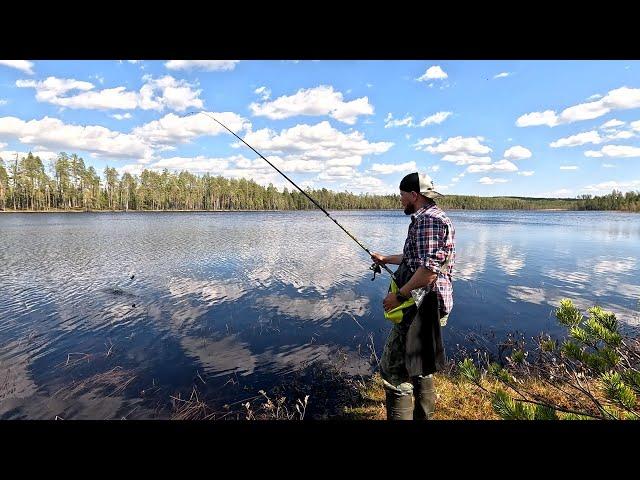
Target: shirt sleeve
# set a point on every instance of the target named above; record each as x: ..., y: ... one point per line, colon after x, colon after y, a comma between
x: 431, y: 236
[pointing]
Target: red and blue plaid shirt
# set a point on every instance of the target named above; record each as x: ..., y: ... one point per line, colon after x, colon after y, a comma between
x: 431, y: 238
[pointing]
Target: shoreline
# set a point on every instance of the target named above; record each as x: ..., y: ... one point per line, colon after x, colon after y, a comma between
x: 308, y: 210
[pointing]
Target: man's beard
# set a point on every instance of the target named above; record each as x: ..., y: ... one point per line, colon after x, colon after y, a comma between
x: 410, y: 209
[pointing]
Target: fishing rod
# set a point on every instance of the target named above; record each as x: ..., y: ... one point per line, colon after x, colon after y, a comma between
x: 375, y: 266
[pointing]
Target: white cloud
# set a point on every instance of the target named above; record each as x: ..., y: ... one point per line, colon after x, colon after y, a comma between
x: 322, y: 100
x: 620, y: 151
x: 391, y: 122
x: 568, y: 167
x: 436, y: 118
x: 172, y: 128
x: 264, y: 92
x: 426, y: 141
x: 527, y: 173
x: 335, y: 173
x: 501, y: 166
x: 636, y: 125
x: 3, y: 101
x: 175, y: 94
x: 155, y: 94
x: 619, y: 99
x: 199, y: 164
x: 608, y: 165
x: 433, y: 73
x: 434, y: 168
x: 502, y: 75
x: 466, y: 159
x: 517, y: 153
x: 579, y: 139
x: 319, y: 142
x: 611, y: 185
x: 119, y: 116
x: 594, y: 96
x: 548, y: 117
x: 51, y: 88
x: 53, y: 134
x: 593, y: 153
x: 385, y: 168
x: 623, y: 135
x: 460, y: 146
x: 11, y: 154
x: 612, y: 124
x: 208, y: 65
x: 492, y: 181
x: 367, y: 184
x: 22, y: 65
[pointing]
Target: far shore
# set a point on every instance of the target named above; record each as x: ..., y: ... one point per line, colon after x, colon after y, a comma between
x: 52, y: 210
x: 308, y: 210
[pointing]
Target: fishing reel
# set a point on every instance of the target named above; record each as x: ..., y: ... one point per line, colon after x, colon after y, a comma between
x: 376, y: 269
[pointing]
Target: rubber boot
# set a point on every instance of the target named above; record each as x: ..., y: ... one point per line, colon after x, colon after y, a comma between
x: 425, y: 397
x: 399, y: 407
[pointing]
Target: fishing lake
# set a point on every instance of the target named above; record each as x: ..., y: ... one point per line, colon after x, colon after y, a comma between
x: 126, y: 315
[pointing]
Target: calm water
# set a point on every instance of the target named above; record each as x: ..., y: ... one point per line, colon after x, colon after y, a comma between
x: 236, y: 302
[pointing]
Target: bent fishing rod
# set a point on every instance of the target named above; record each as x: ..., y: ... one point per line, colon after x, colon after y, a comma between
x: 375, y: 267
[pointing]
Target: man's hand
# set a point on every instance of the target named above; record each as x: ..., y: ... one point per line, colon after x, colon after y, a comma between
x: 379, y: 259
x: 390, y: 302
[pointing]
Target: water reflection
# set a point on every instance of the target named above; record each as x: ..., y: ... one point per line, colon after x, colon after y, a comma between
x: 509, y: 259
x: 256, y: 296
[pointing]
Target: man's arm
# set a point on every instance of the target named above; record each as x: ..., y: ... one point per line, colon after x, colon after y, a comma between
x: 422, y: 277
x: 384, y: 259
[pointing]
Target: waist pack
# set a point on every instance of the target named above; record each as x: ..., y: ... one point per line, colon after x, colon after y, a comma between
x: 403, y: 275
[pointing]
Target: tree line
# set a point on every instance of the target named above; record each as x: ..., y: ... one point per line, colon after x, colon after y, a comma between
x: 71, y: 185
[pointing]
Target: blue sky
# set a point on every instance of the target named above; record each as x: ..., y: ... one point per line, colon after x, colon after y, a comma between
x: 525, y: 128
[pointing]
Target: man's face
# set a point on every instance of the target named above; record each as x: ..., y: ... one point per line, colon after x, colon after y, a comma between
x: 408, y: 200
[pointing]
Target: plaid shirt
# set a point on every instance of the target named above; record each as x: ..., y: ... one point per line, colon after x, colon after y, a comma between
x: 430, y: 239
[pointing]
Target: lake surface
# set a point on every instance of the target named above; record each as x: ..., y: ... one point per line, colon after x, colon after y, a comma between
x: 110, y: 315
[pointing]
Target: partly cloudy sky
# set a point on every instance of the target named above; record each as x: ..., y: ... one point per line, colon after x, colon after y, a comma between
x: 525, y: 128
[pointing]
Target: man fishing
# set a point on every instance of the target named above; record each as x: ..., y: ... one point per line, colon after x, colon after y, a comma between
x: 414, y: 349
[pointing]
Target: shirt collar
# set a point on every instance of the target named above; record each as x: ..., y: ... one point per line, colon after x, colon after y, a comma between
x: 422, y: 211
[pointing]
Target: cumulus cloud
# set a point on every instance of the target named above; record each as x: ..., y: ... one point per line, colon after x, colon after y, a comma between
x: 618, y: 99
x: 119, y: 116
x: 615, y: 151
x: 264, y: 92
x: 436, y: 118
x: 385, y: 168
x: 155, y: 94
x: 517, y: 153
x: 611, y: 185
x: 526, y: 173
x: 321, y: 100
x: 501, y: 166
x: 492, y: 181
x: 207, y: 65
x: 612, y: 124
x: 56, y: 135
x: 502, y: 75
x: 434, y: 72
x: 172, y: 128
x: 319, y: 142
x: 568, y: 167
x: 576, y: 140
x: 22, y: 65
x: 391, y: 122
